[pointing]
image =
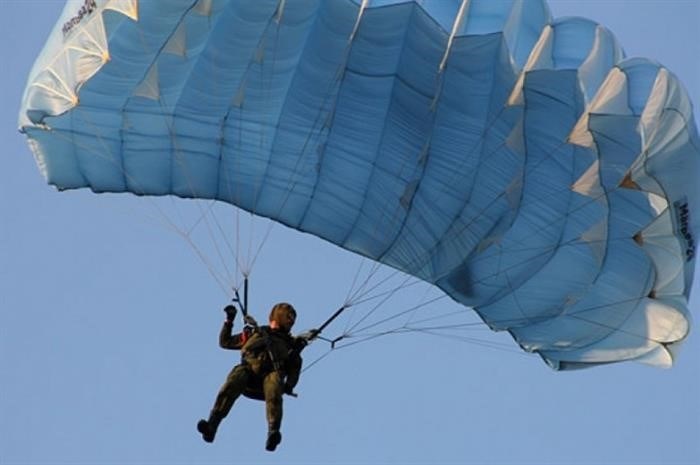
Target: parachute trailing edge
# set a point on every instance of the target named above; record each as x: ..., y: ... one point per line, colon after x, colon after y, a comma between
x: 517, y: 161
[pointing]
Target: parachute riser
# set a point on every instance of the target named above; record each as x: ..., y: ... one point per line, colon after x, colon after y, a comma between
x: 242, y: 303
x: 328, y: 322
x: 332, y: 317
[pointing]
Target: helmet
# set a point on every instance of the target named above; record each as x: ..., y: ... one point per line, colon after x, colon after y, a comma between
x: 284, y: 314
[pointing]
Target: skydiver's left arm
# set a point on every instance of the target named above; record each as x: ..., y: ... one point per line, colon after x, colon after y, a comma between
x: 294, y: 364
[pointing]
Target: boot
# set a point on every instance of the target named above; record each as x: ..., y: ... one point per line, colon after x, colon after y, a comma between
x: 208, y: 428
x: 274, y: 437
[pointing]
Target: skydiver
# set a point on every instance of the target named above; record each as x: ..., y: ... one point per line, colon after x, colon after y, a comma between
x: 270, y: 367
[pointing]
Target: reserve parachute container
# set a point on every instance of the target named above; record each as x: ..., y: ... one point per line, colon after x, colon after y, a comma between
x: 518, y: 162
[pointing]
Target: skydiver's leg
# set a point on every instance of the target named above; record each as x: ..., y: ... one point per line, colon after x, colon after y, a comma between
x: 273, y: 390
x: 232, y: 388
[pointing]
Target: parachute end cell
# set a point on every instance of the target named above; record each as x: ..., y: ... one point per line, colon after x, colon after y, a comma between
x: 660, y: 357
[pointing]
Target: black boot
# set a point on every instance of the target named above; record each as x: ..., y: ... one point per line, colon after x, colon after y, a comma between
x: 208, y: 428
x: 274, y: 437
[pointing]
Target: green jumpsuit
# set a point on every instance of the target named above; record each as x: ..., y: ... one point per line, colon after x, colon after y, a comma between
x: 270, y: 366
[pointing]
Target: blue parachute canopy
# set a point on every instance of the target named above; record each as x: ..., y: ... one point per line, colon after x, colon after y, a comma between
x: 519, y: 163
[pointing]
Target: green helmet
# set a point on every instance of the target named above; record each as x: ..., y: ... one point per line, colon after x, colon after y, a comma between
x: 284, y: 314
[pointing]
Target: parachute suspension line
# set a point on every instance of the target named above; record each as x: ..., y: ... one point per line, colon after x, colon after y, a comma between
x: 512, y: 289
x: 308, y: 366
x: 245, y: 269
x: 424, y: 154
x: 223, y: 284
x: 205, y: 215
x: 242, y: 260
x: 243, y: 265
x: 186, y: 236
x: 135, y: 186
x: 177, y: 157
x: 454, y: 179
x: 350, y: 327
x: 643, y: 337
x: 165, y: 219
x: 537, y: 230
x: 577, y: 314
x: 352, y: 331
x: 252, y: 257
x: 350, y: 303
x: 423, y: 300
x: 277, y: 21
x: 362, y: 290
x: 358, y: 271
x: 317, y: 126
x: 233, y: 193
x: 341, y: 342
x: 364, y: 293
x: 439, y: 331
x: 500, y: 346
x: 187, y: 233
x: 550, y: 155
x: 434, y: 318
x: 273, y: 19
x: 410, y: 310
x: 407, y: 282
x: 421, y: 259
x: 215, y: 242
x: 487, y: 128
x: 323, y: 117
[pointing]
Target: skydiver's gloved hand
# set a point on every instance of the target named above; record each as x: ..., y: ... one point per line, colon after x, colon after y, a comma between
x: 306, y: 337
x: 230, y: 311
x: 289, y: 389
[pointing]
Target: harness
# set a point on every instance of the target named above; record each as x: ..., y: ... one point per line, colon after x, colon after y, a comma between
x: 262, y: 345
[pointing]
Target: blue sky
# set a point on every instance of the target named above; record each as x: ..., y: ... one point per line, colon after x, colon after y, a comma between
x: 109, y: 323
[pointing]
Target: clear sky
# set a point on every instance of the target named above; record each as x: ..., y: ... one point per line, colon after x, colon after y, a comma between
x: 109, y: 324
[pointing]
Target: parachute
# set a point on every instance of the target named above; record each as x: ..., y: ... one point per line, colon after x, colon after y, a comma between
x: 518, y: 162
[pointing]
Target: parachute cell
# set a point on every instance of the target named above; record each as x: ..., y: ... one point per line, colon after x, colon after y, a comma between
x: 519, y: 163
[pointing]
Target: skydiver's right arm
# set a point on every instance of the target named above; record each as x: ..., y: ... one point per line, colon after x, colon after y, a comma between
x: 227, y: 340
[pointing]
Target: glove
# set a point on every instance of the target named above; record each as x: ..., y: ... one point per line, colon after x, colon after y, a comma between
x: 289, y: 390
x: 230, y: 311
x: 303, y: 339
x: 308, y: 336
